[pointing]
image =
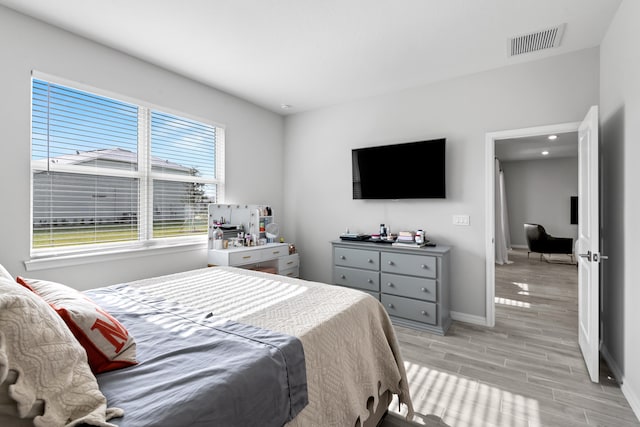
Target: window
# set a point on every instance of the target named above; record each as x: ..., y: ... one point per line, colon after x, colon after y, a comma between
x: 109, y: 172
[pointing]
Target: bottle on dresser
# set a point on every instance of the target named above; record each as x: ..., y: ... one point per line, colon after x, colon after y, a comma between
x: 218, y: 236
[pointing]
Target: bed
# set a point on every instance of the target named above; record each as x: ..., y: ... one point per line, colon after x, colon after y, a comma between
x: 350, y: 364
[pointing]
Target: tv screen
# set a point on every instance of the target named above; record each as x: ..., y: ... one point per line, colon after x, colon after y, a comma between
x: 412, y: 170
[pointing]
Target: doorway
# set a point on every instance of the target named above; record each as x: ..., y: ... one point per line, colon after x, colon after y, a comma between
x: 536, y: 183
x: 587, y: 246
x: 490, y: 151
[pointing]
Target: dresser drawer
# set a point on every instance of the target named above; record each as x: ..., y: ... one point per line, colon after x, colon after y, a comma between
x: 290, y: 272
x: 245, y: 257
x: 275, y: 252
x: 353, y: 278
x: 288, y: 261
x: 414, y: 265
x: 376, y: 295
x: 411, y: 309
x: 405, y: 286
x: 358, y: 258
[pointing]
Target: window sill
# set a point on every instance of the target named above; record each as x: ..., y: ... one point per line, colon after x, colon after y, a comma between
x: 58, y: 261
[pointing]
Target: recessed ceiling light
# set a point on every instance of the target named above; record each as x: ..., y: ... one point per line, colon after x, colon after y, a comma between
x: 545, y: 153
x: 552, y: 137
x: 285, y: 106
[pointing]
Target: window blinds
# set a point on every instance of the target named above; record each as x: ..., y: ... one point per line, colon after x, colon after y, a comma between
x: 107, y: 171
x: 181, y: 148
x: 84, y: 150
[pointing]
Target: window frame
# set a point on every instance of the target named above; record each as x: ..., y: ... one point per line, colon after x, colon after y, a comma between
x: 72, y: 255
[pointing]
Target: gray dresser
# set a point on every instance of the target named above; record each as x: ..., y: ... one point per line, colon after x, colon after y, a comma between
x: 411, y: 283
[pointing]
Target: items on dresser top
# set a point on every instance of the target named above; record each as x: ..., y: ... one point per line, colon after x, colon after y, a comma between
x: 241, y: 224
x: 411, y: 283
x: 355, y: 236
x: 244, y: 236
x: 413, y: 239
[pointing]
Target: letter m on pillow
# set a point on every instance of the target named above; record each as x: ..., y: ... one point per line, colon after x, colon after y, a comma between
x: 111, y: 329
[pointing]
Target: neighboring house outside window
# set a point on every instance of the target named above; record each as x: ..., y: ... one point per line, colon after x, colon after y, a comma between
x: 108, y: 172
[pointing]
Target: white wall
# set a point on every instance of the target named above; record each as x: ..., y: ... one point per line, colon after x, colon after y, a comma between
x: 318, y: 144
x: 620, y: 151
x: 254, y: 138
x: 539, y: 192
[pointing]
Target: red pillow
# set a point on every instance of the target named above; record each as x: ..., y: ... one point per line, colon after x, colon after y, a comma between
x: 107, y: 342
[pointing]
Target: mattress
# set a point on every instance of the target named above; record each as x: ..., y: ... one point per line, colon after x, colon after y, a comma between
x: 351, y: 352
x: 196, y: 370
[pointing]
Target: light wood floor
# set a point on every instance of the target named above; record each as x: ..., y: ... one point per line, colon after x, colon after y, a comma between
x: 526, y: 371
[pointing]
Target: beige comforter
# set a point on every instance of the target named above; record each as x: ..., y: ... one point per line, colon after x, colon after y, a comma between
x: 351, y: 351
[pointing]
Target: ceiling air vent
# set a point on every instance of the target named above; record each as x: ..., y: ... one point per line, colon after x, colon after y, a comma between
x: 539, y: 40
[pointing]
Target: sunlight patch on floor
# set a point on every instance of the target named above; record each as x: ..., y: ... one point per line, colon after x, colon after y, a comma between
x: 524, y: 288
x: 512, y: 302
x: 459, y: 401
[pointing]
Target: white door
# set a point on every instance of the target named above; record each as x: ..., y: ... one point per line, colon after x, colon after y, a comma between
x: 587, y: 246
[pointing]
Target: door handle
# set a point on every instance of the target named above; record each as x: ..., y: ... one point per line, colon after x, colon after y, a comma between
x: 595, y: 256
x: 598, y: 257
x: 587, y: 255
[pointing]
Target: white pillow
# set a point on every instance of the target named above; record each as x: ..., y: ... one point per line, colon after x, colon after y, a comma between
x: 51, y: 365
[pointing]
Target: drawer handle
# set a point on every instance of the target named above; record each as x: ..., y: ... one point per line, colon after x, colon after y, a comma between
x: 424, y: 289
x: 390, y: 305
x: 369, y: 260
x: 390, y: 285
x: 343, y: 276
x: 390, y: 262
x: 275, y: 252
x: 290, y: 262
x: 424, y: 266
x: 370, y: 281
x: 424, y: 313
x: 246, y: 257
x: 342, y: 257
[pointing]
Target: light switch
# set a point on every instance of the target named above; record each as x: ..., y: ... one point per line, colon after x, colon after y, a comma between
x: 461, y: 219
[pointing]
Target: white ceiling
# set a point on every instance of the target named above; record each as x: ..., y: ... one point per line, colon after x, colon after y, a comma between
x: 315, y: 53
x: 531, y: 148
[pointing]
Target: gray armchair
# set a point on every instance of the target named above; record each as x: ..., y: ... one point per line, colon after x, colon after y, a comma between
x: 539, y: 241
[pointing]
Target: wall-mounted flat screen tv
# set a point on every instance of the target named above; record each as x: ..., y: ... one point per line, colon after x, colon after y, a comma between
x: 412, y: 170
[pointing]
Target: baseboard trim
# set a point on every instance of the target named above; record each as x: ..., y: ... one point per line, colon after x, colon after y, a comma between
x: 519, y: 247
x: 629, y: 393
x: 468, y: 318
x: 613, y: 366
x: 632, y: 398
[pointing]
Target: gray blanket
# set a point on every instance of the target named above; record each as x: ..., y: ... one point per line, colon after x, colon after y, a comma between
x: 196, y: 370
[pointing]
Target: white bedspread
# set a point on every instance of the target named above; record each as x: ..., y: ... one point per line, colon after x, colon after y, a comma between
x: 351, y: 351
